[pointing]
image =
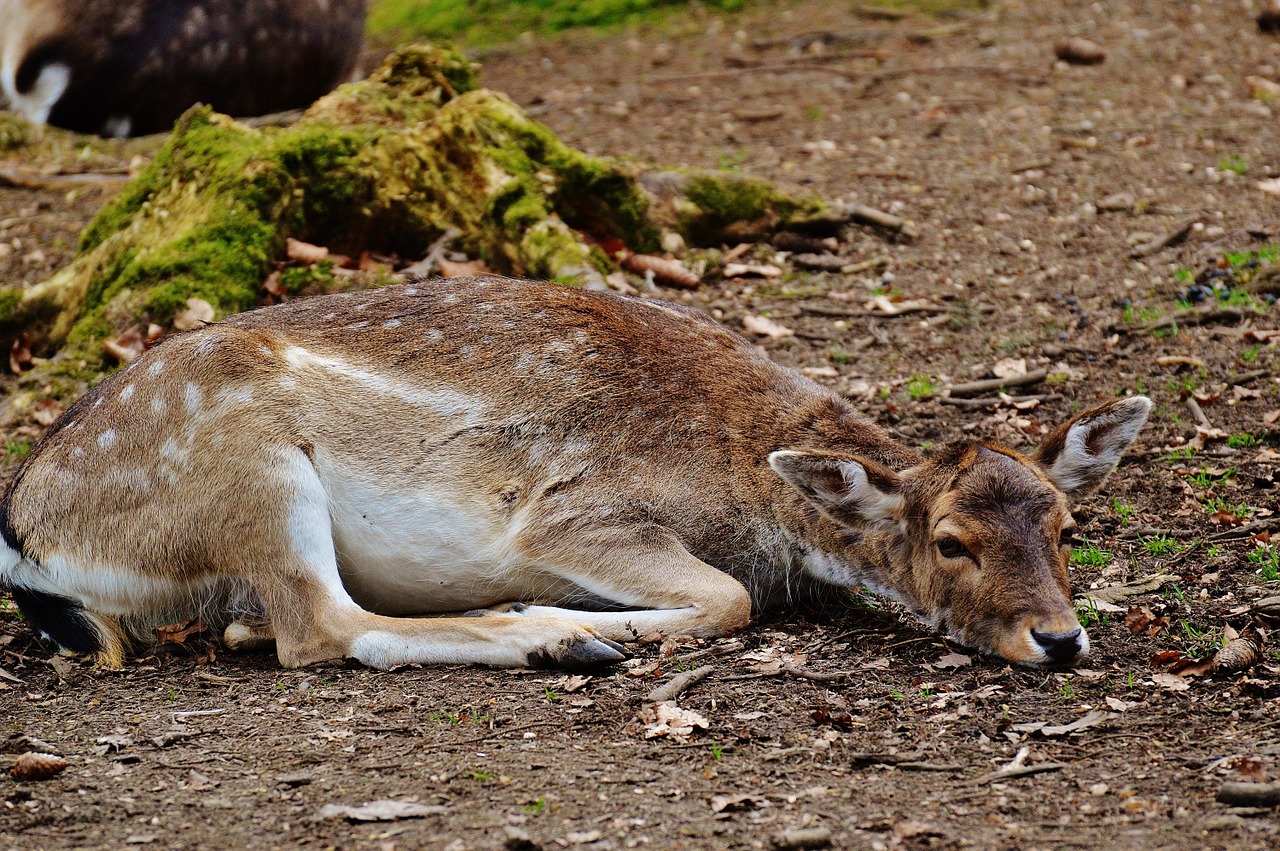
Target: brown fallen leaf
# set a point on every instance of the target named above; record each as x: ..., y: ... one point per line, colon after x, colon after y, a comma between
x: 731, y: 803
x: 37, y: 766
x: 665, y: 270
x: 667, y: 719
x: 178, y: 633
x: 273, y: 286
x: 765, y: 327
x: 46, y: 411
x: 198, y: 312
x: 128, y: 347
x: 305, y: 252
x: 465, y: 269
x: 953, y: 660
x: 20, y: 357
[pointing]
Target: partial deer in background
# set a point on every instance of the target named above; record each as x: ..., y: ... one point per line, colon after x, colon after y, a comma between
x: 573, y: 469
x: 131, y: 67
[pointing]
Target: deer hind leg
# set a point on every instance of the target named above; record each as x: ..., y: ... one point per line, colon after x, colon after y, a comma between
x: 313, y: 618
x: 647, y: 570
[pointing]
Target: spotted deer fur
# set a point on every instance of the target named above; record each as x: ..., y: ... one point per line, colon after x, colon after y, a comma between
x: 352, y: 475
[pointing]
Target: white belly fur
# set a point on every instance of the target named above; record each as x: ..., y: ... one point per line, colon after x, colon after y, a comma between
x: 420, y: 551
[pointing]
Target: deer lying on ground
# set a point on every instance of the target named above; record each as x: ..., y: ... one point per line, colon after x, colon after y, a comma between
x: 350, y: 474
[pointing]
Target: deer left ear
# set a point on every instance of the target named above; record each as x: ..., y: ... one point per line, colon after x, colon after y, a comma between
x: 856, y: 492
x: 1082, y: 453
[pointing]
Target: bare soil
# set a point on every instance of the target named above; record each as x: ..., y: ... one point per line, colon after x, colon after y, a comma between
x: 1002, y: 158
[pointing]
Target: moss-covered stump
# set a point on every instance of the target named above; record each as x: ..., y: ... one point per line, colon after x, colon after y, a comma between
x: 390, y: 164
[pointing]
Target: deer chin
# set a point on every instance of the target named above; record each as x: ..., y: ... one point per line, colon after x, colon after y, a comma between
x: 1017, y: 646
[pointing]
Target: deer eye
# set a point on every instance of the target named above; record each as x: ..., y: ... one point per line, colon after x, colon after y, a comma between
x: 1067, y: 537
x: 951, y: 548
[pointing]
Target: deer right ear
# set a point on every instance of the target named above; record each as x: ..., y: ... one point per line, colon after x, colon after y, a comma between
x: 853, y: 491
x: 1079, y: 454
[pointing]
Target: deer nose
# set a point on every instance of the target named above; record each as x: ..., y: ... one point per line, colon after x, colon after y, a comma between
x: 1060, y: 647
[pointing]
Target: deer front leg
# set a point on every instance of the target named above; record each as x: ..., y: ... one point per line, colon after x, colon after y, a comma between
x: 649, y: 571
x: 313, y: 618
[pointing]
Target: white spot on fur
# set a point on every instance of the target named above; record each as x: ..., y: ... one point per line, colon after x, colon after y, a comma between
x: 410, y: 291
x: 391, y: 323
x: 169, y: 449
x: 156, y: 367
x: 127, y: 393
x: 434, y: 335
x: 108, y: 439
x: 158, y: 405
x: 192, y: 398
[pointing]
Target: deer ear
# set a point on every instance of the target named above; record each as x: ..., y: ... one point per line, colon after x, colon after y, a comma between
x: 853, y: 491
x: 1082, y: 453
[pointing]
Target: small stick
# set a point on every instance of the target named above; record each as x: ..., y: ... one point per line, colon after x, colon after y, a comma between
x: 991, y: 403
x: 1190, y: 317
x: 15, y: 179
x: 1178, y: 234
x: 678, y: 684
x: 191, y: 713
x: 1019, y: 771
x: 862, y: 214
x: 975, y: 388
x: 1198, y: 412
x: 717, y: 650
x: 1246, y: 377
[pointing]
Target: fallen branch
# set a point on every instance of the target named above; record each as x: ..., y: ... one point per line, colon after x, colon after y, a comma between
x: 1189, y: 318
x: 679, y: 684
x: 1250, y: 794
x: 865, y: 215
x: 15, y: 179
x: 995, y: 403
x: 1198, y: 412
x: 665, y: 270
x: 976, y: 388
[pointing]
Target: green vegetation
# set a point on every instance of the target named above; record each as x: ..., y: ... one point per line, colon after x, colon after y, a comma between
x: 841, y: 356
x: 496, y: 21
x: 1217, y: 505
x: 1090, y: 555
x: 1087, y: 613
x: 17, y: 449
x: 1244, y: 440
x: 922, y: 386
x: 1267, y: 559
x: 1235, y: 163
x: 1124, y: 508
x: 1158, y: 545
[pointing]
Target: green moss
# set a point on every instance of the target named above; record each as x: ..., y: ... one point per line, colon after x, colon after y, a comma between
x: 721, y: 200
x: 14, y: 132
x: 10, y: 301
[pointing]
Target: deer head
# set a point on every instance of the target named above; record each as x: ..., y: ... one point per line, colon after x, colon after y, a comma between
x: 975, y: 540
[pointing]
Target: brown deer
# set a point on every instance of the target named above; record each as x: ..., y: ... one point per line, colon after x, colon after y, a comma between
x: 349, y: 474
x: 130, y: 67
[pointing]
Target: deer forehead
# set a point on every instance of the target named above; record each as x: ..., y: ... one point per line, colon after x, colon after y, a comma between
x: 997, y: 488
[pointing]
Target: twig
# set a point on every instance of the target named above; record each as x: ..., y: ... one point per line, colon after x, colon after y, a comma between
x: 15, y: 179
x: 424, y: 266
x: 192, y: 713
x: 1244, y: 531
x: 1019, y: 771
x: 678, y: 684
x: 716, y: 650
x: 1172, y: 237
x: 1246, y: 377
x: 862, y: 214
x: 992, y: 403
x: 1189, y: 318
x: 795, y: 671
x: 975, y: 388
x: 1196, y: 411
x: 766, y: 67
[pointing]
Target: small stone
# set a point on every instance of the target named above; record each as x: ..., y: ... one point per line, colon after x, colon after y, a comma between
x: 1080, y: 51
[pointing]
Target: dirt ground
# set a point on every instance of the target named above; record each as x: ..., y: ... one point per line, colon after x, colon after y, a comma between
x: 1030, y: 184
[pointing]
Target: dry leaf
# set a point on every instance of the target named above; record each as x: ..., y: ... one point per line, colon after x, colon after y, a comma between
x: 37, y: 766
x: 305, y: 252
x: 765, y: 327
x: 667, y: 719
x: 128, y: 347
x: 723, y: 803
x: 46, y: 411
x: 199, y: 312
x: 1170, y: 682
x: 1093, y: 719
x: 466, y: 269
x: 1009, y: 367
x: 179, y: 633
x: 20, y: 357
x: 953, y: 660
x: 379, y: 811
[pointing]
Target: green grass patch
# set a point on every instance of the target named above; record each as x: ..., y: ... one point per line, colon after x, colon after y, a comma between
x: 922, y: 386
x: 1090, y: 555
